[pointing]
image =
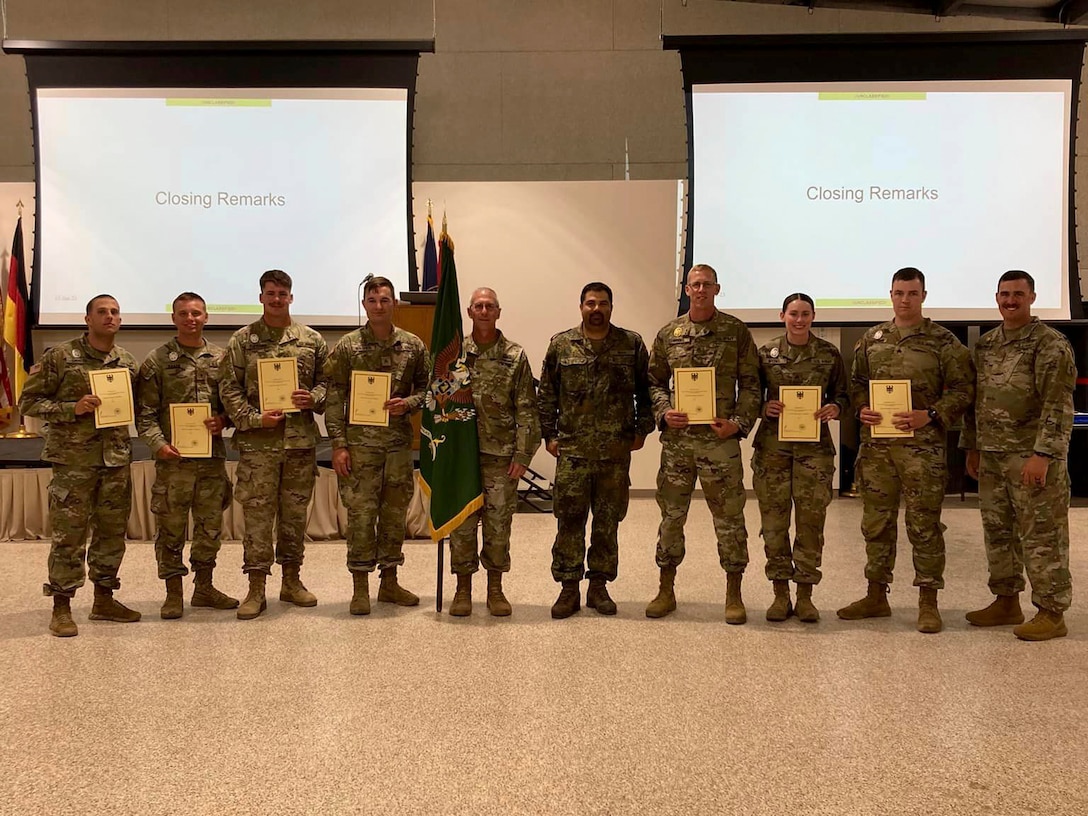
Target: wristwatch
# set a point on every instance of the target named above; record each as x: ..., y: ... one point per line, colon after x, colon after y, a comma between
x: 933, y: 415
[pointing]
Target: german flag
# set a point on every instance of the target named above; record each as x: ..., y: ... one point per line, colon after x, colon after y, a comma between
x: 16, y: 321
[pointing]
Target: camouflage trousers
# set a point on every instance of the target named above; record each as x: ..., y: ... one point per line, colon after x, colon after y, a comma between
x: 376, y: 494
x: 1026, y: 527
x: 797, y: 480
x: 274, y: 489
x: 717, y: 464
x: 181, y: 485
x: 917, y: 474
x: 581, y: 486
x: 500, y: 501
x: 82, y: 499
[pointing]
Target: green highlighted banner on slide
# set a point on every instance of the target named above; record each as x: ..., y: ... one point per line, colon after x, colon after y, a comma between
x: 871, y: 96
x: 845, y: 303
x: 183, y: 102
x: 225, y: 308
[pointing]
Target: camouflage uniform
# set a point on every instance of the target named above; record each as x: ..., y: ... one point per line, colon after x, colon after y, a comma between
x: 509, y: 431
x: 796, y: 473
x: 277, y: 466
x: 1026, y: 378
x: 724, y: 344
x: 594, y: 400
x: 379, y: 488
x: 943, y: 378
x: 173, y: 373
x: 92, y: 483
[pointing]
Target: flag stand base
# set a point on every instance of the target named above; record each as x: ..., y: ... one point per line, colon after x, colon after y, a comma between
x: 22, y: 433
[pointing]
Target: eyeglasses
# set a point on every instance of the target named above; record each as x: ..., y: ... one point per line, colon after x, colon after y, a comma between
x: 484, y: 307
x: 702, y: 285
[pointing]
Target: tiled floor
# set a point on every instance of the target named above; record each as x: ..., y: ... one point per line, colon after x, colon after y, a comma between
x: 410, y: 712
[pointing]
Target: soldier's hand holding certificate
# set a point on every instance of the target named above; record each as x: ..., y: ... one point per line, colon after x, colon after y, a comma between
x: 189, y: 433
x: 277, y: 380
x: 369, y: 393
x: 888, y: 398
x: 695, y: 394
x: 113, y: 386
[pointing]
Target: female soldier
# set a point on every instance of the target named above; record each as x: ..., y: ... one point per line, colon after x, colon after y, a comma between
x: 797, y: 472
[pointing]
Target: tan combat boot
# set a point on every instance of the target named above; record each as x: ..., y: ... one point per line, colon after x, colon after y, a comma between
x: 255, y: 603
x: 106, y: 608
x: 496, y: 601
x: 597, y: 597
x: 174, y: 604
x: 291, y: 589
x: 360, y: 596
x: 462, y: 597
x: 61, y: 624
x: 929, y: 617
x: 206, y: 595
x: 873, y: 605
x: 389, y: 591
x: 1046, y: 625
x: 665, y: 602
x: 735, y: 612
x: 781, y: 608
x: 806, y: 610
x: 569, y: 600
x: 1004, y: 611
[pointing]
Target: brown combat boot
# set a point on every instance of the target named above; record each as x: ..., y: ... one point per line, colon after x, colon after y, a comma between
x: 1046, y: 625
x: 496, y: 601
x: 805, y: 609
x: 61, y: 624
x: 665, y: 602
x: 360, y: 596
x: 569, y: 600
x: 735, y: 613
x: 291, y: 589
x: 106, y: 608
x: 255, y: 603
x: 929, y: 617
x: 781, y: 608
x: 873, y: 605
x: 462, y: 597
x: 174, y: 604
x: 597, y: 597
x: 389, y: 591
x: 206, y: 595
x: 1004, y: 611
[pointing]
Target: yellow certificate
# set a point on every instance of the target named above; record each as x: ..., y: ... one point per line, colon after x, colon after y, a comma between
x: 797, y: 422
x: 277, y: 377
x: 188, y: 433
x: 369, y: 393
x: 114, y: 387
x: 889, y: 397
x: 695, y: 394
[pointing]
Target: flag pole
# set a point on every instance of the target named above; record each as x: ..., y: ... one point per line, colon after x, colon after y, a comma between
x: 21, y: 432
x: 441, y: 571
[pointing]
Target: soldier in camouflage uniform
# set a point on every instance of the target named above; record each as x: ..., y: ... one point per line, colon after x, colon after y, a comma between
x: 942, y: 387
x: 594, y: 411
x: 277, y: 462
x: 186, y: 369
x: 509, y: 431
x: 797, y: 474
x: 373, y: 463
x: 704, y: 338
x: 91, y: 490
x: 1017, y: 437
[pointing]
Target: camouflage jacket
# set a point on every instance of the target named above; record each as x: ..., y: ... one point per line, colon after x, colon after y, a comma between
x: 1025, y: 392
x: 239, y: 388
x: 170, y: 374
x: 722, y: 343
x: 51, y: 392
x: 818, y: 362
x: 938, y: 366
x: 505, y: 399
x: 403, y: 355
x: 595, y: 403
